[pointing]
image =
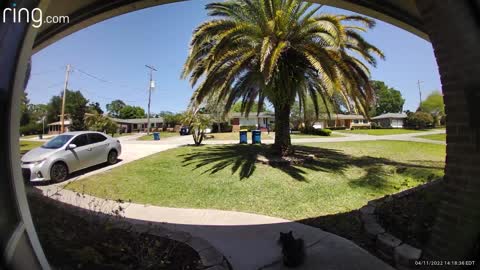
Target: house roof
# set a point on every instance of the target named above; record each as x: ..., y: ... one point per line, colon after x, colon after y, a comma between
x: 251, y: 115
x: 335, y: 116
x: 66, y: 123
x: 390, y: 115
x: 138, y: 120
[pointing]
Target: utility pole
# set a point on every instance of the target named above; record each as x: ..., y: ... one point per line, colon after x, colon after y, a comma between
x: 150, y: 87
x: 419, y: 92
x: 62, y: 116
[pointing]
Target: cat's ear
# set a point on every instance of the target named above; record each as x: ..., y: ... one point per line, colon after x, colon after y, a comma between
x: 290, y: 233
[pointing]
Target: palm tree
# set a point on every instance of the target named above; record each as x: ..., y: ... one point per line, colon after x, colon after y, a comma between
x: 280, y: 51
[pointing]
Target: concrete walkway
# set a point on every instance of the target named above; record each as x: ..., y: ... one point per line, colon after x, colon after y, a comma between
x: 248, y: 241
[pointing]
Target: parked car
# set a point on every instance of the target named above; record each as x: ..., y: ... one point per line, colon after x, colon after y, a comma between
x: 67, y: 153
x: 184, y: 130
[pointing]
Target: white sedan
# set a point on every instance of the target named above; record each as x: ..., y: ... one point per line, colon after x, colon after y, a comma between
x: 67, y: 153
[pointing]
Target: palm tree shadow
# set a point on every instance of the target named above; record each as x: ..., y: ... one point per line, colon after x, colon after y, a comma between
x: 243, y: 159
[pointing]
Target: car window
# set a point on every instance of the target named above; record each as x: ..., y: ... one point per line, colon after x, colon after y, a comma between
x: 57, y: 142
x: 80, y: 140
x: 96, y: 137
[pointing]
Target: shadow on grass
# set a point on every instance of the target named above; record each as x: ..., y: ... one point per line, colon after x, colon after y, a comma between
x: 244, y: 159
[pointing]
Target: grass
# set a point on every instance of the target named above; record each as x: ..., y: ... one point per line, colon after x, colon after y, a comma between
x: 116, y: 135
x: 26, y: 146
x: 380, y: 132
x: 163, y: 135
x: 343, y: 177
x: 435, y: 137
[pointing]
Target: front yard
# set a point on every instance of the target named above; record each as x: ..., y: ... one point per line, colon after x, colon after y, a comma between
x: 342, y: 177
x: 265, y: 136
x: 26, y: 146
x: 435, y: 137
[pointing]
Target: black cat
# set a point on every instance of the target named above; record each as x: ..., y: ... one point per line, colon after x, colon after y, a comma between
x: 293, y: 250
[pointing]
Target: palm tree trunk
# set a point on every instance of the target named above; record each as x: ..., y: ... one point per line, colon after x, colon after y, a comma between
x: 282, y: 144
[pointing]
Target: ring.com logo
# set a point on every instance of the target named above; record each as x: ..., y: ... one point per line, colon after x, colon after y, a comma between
x: 34, y: 16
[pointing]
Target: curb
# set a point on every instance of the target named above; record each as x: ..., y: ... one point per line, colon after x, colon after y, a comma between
x: 389, y: 247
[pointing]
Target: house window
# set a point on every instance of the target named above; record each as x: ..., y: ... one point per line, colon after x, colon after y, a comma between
x: 135, y: 126
x: 355, y: 121
x: 365, y: 121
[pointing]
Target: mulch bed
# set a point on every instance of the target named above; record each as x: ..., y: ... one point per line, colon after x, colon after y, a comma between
x: 411, y: 218
x: 72, y: 242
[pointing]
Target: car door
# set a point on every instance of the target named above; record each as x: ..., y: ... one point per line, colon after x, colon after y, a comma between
x: 99, y: 144
x: 82, y: 155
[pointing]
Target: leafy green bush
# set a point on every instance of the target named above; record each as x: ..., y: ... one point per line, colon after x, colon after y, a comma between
x: 313, y: 131
x: 249, y: 128
x: 324, y: 132
x: 419, y: 120
x: 31, y: 128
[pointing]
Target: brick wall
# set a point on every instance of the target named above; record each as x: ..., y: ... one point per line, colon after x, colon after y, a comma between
x: 454, y: 29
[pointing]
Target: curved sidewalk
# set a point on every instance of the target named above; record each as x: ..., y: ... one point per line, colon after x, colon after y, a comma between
x: 248, y: 241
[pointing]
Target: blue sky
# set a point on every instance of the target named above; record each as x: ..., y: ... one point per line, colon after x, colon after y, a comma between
x: 117, y: 50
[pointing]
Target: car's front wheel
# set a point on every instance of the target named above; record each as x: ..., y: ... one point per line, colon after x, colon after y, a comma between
x: 112, y: 157
x: 58, y: 172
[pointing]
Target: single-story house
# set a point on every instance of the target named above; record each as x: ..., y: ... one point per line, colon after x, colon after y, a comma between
x: 339, y: 121
x: 55, y: 127
x: 262, y: 121
x: 138, y: 124
x: 390, y: 120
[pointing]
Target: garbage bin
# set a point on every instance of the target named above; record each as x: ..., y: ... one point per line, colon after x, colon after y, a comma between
x: 256, y: 137
x: 40, y: 136
x: 243, y: 136
x: 156, y: 136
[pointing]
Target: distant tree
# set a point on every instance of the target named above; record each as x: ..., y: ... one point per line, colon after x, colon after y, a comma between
x: 434, y: 105
x: 115, y: 107
x: 98, y: 122
x: 131, y: 112
x: 94, y: 107
x: 75, y: 108
x: 388, y: 100
x: 24, y: 112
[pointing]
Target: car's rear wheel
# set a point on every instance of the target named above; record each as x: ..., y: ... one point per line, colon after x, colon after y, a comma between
x: 58, y: 172
x: 112, y: 157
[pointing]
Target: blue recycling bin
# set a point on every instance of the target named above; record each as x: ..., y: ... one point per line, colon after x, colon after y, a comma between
x: 243, y: 136
x: 256, y: 137
x: 156, y: 136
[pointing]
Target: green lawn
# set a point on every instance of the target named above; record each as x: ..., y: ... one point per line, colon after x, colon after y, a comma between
x: 163, y: 135
x: 380, y: 132
x: 435, y: 137
x: 342, y: 177
x: 26, y: 146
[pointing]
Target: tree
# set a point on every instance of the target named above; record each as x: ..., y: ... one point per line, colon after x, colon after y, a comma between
x: 75, y: 107
x: 24, y: 112
x: 198, y: 123
x: 277, y: 51
x: 94, y: 107
x: 98, y: 122
x: 388, y: 100
x: 419, y: 120
x: 434, y: 105
x: 131, y: 112
x: 115, y: 107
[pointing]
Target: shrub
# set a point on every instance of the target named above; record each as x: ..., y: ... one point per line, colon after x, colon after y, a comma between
x: 31, y: 128
x: 324, y: 132
x: 419, y: 120
x: 313, y: 131
x: 248, y: 128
